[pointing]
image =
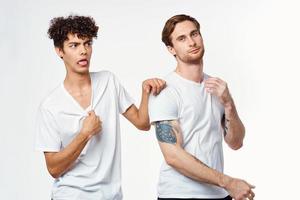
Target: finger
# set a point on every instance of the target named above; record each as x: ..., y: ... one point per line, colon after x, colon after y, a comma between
x: 211, y: 90
x: 154, y: 86
x: 211, y: 79
x: 207, y: 85
x: 216, y: 79
x: 252, y: 194
x: 161, y: 85
x: 164, y: 83
x: 157, y: 85
x: 250, y: 197
x: 213, y: 83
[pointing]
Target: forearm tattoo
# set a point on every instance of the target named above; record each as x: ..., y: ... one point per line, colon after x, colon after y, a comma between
x: 165, y: 132
x: 226, y: 124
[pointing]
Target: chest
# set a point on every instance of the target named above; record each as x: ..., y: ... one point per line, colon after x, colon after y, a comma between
x: 82, y: 98
x: 198, y: 106
x: 71, y: 116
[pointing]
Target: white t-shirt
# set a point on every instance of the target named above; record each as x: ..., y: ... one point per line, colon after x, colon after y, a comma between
x: 96, y: 174
x: 199, y: 114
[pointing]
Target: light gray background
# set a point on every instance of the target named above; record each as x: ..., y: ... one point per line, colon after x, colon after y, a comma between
x: 252, y: 44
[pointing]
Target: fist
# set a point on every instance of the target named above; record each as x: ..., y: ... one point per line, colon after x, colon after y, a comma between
x: 91, y: 124
x: 154, y: 85
x: 240, y: 189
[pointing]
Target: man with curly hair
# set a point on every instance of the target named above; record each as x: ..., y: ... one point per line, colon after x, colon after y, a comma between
x: 78, y: 125
x: 192, y: 117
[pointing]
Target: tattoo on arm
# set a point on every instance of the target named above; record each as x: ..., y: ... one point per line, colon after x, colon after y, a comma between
x: 165, y: 132
x: 226, y: 125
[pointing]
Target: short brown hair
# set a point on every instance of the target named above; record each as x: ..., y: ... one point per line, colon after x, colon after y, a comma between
x: 170, y: 26
x: 60, y: 27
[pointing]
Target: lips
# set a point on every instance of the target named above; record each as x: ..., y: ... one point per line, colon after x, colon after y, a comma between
x: 195, y: 50
x: 83, y: 62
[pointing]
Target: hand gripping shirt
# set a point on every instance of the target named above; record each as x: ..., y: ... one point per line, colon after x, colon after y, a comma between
x: 199, y: 115
x: 96, y: 174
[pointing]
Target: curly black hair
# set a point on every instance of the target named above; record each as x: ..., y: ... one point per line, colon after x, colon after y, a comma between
x: 82, y: 26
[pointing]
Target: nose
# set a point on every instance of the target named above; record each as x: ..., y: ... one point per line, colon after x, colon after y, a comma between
x: 191, y: 42
x: 83, y: 50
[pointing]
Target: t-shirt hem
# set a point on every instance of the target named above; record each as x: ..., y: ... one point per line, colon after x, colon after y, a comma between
x: 125, y: 108
x: 47, y: 149
x: 193, y: 196
x: 153, y: 120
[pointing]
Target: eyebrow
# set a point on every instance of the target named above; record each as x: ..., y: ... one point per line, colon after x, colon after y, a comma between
x: 195, y: 30
x: 73, y: 43
x: 180, y: 36
x: 79, y: 42
x: 90, y: 40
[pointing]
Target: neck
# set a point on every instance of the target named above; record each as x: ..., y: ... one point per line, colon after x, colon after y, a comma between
x: 193, y: 72
x: 77, y: 81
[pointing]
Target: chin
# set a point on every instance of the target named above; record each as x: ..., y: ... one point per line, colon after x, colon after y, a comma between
x: 83, y: 71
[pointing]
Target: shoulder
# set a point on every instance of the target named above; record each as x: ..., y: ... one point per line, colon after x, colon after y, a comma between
x: 52, y: 99
x: 167, y: 98
x: 102, y: 74
x: 170, y: 93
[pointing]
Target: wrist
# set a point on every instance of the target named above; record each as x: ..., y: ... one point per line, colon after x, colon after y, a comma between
x: 85, y: 135
x: 229, y: 104
x: 225, y: 181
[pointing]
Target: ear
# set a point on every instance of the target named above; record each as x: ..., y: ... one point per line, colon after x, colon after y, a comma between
x: 171, y: 50
x: 59, y: 52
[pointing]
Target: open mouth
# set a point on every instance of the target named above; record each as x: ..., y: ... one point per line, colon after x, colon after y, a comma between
x: 83, y: 62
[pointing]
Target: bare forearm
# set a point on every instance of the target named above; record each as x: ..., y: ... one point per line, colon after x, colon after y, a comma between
x: 143, y: 111
x: 193, y: 168
x: 235, y: 130
x: 59, y: 163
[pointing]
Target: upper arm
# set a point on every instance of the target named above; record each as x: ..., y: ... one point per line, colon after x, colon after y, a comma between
x: 169, y: 136
x: 49, y: 157
x: 131, y: 114
x: 125, y: 101
x: 47, y: 134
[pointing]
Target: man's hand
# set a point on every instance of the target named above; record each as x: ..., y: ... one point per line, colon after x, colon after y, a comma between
x: 239, y: 189
x: 91, y: 125
x: 154, y: 85
x: 218, y: 88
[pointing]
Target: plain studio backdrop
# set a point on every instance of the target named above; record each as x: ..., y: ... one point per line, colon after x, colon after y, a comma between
x: 252, y: 44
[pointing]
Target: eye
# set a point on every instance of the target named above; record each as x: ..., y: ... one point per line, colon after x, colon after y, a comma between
x: 73, y: 45
x: 195, y: 34
x: 89, y: 43
x: 181, y: 38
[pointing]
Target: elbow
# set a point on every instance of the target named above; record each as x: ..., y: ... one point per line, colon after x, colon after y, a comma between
x: 144, y: 127
x: 236, y: 146
x: 54, y: 173
x: 171, y: 160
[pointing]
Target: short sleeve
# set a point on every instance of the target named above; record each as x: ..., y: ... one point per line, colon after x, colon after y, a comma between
x: 124, y: 99
x: 164, y: 106
x: 47, y: 136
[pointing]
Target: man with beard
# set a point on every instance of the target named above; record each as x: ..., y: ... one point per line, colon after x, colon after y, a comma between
x: 78, y: 126
x: 192, y: 116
